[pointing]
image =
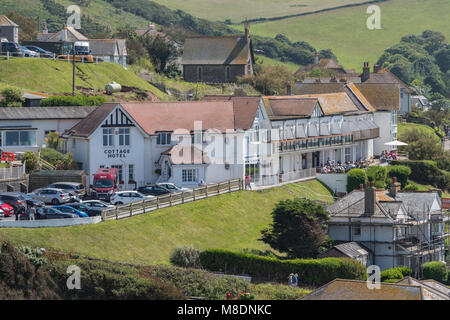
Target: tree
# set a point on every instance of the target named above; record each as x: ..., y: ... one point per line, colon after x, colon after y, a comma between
x: 421, y: 145
x: 12, y: 97
x: 53, y: 140
x: 160, y: 51
x: 28, y: 27
x: 270, y: 80
x: 327, y: 54
x: 31, y: 161
x: 298, y: 228
x: 356, y: 178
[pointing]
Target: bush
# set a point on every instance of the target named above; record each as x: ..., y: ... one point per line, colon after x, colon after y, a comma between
x: 12, y: 97
x: 390, y: 274
x: 311, y: 271
x: 355, y: 178
x: 435, y: 270
x: 411, y: 187
x: 186, y: 257
x: 56, y: 158
x: 401, y: 173
x: 426, y: 172
x: 377, y: 175
x: 31, y: 161
x: 59, y: 101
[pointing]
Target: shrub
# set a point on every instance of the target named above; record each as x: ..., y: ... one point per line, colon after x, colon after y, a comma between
x: 12, y: 97
x: 59, y: 101
x: 435, y: 270
x: 390, y: 274
x: 311, y: 271
x: 186, y: 257
x: 377, y: 175
x: 355, y: 178
x: 31, y: 161
x: 401, y: 173
x: 411, y: 187
x: 56, y: 158
x: 426, y: 172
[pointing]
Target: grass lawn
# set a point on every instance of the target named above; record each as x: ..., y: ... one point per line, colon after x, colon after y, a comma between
x: 239, y: 10
x: 268, y: 61
x: 346, y: 33
x: 45, y: 75
x: 231, y: 221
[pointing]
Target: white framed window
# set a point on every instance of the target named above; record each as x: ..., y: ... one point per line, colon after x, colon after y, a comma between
x: 131, y: 172
x: 119, y: 168
x: 19, y: 138
x: 108, y: 137
x: 164, y: 138
x: 190, y: 175
x: 394, y: 118
x: 347, y: 154
x: 124, y: 136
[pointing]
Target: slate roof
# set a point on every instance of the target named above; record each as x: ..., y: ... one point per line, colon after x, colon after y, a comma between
x: 438, y: 290
x: 103, y: 47
x: 334, y: 103
x: 340, y: 289
x: 42, y: 113
x: 5, y: 21
x: 223, y: 50
x: 351, y: 249
x: 72, y: 36
x: 87, y: 126
x: 323, y: 63
x: 385, y: 76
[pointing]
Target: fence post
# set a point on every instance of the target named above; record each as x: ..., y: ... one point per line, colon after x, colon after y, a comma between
x: 182, y: 196
x: 143, y: 206
x: 206, y: 191
x: 170, y: 198
x: 131, y: 209
x: 193, y: 194
x: 103, y: 215
x: 117, y: 214
x: 229, y: 185
x: 218, y: 188
x: 157, y: 202
x: 96, y: 60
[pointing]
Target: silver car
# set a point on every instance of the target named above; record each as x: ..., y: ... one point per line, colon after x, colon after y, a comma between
x: 51, y: 196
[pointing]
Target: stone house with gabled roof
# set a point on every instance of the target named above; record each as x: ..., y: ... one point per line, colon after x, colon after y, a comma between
x: 218, y: 59
x: 8, y: 30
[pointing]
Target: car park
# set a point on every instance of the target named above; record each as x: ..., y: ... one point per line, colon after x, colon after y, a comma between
x: 90, y: 211
x: 69, y: 209
x: 97, y: 204
x: 76, y: 190
x: 6, y: 210
x: 153, y: 190
x: 123, y: 197
x: 28, y: 53
x: 12, y: 48
x: 49, y: 213
x: 41, y: 52
x: 13, y: 200
x: 51, y: 196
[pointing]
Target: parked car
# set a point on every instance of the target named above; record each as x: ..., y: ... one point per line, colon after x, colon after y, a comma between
x: 29, y: 201
x: 153, y: 190
x: 6, y: 210
x: 41, y: 52
x: 13, y: 48
x: 97, y: 204
x: 13, y: 200
x: 91, y: 211
x: 49, y: 213
x: 173, y: 187
x: 122, y: 197
x: 28, y: 53
x: 77, y: 190
x: 69, y: 209
x: 51, y: 196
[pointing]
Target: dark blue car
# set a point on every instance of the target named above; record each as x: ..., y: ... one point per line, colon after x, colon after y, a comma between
x: 68, y: 209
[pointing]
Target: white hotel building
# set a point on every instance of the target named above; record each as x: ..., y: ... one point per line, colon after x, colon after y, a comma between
x: 271, y: 139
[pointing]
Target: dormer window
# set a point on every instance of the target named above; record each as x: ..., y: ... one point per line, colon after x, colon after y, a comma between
x: 164, y: 138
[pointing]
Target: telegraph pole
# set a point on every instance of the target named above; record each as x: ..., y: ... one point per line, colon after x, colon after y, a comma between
x: 73, y: 75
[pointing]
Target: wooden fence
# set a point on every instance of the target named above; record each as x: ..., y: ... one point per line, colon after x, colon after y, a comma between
x: 171, y: 199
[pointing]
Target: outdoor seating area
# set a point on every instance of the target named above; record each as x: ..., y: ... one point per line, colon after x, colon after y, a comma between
x: 339, y: 167
x: 388, y: 156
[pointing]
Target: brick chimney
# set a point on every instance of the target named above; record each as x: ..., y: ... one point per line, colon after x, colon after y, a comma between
x: 376, y: 68
x: 394, y: 188
x: 247, y: 29
x: 316, y: 59
x: 369, y: 200
x: 366, y: 72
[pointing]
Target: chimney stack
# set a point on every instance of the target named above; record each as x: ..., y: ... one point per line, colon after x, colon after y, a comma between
x: 376, y: 68
x: 45, y: 31
x: 316, y: 59
x: 369, y: 200
x: 366, y: 72
x: 394, y: 188
x: 247, y: 29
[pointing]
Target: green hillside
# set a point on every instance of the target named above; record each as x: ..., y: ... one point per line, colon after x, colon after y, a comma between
x: 345, y: 31
x: 229, y: 221
x: 239, y: 10
x: 45, y: 75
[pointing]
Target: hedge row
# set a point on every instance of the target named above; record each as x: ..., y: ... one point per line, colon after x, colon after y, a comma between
x: 395, y: 274
x: 436, y: 270
x: 59, y: 101
x: 310, y: 271
x: 426, y: 172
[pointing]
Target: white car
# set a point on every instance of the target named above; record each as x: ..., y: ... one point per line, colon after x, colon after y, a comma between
x: 172, y: 187
x: 97, y: 204
x: 51, y: 196
x: 122, y: 197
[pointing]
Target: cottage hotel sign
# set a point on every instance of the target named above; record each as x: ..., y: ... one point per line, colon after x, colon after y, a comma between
x: 117, y: 153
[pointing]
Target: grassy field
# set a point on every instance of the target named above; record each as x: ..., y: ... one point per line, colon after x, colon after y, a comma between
x: 239, y: 10
x: 345, y: 31
x: 231, y: 221
x: 45, y: 75
x: 268, y: 61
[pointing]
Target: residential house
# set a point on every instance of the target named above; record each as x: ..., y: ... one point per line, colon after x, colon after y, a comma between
x: 330, y: 65
x: 25, y: 129
x: 383, y: 100
x: 218, y: 59
x: 421, y: 102
x: 399, y: 228
x: 9, y: 31
x: 342, y: 289
x: 109, y: 50
x: 179, y: 142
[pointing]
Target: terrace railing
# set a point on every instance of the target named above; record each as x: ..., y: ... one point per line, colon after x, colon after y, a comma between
x: 12, y: 173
